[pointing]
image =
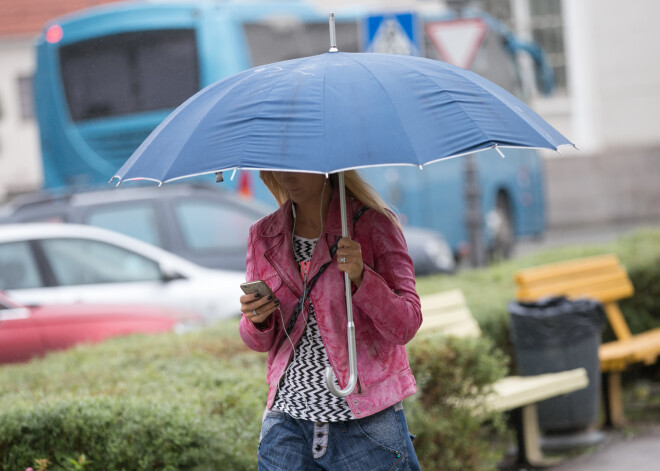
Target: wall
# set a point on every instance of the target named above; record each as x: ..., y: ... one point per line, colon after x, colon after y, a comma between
x: 629, y: 67
x: 20, y: 164
x: 613, y: 75
x: 617, y: 186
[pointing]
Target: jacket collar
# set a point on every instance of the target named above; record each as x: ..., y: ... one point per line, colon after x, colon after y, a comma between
x: 282, y: 222
x: 280, y: 229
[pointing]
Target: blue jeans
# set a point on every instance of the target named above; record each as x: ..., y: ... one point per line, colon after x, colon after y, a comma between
x: 378, y: 442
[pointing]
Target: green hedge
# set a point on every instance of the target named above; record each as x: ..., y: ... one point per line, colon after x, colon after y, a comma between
x: 194, y: 402
x: 451, y: 372
x: 165, y: 402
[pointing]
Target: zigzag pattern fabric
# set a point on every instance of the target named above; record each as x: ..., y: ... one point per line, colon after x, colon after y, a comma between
x: 303, y: 393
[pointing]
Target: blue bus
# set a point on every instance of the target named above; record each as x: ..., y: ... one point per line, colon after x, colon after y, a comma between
x: 107, y: 76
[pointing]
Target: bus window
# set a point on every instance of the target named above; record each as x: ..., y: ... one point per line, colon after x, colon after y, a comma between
x: 129, y: 73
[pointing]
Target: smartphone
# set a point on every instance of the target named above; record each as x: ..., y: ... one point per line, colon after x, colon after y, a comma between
x: 254, y: 287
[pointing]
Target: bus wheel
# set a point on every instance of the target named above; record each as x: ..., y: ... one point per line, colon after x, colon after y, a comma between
x: 500, y: 225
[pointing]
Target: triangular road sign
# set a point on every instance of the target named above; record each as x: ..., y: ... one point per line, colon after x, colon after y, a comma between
x: 457, y: 41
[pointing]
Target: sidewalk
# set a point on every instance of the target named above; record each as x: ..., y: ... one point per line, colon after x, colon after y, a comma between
x: 620, y: 451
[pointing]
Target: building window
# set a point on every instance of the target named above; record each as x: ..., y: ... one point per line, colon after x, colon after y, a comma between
x: 500, y: 9
x: 543, y: 23
x: 26, y: 97
x: 548, y: 31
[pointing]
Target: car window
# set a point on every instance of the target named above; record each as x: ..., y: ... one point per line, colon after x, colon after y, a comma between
x: 81, y: 262
x: 208, y: 225
x: 18, y: 267
x: 138, y: 220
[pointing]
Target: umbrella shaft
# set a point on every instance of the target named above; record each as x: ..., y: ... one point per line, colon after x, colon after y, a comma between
x: 350, y: 326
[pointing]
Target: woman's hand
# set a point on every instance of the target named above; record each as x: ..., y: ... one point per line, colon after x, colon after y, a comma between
x: 258, y: 308
x: 349, y: 259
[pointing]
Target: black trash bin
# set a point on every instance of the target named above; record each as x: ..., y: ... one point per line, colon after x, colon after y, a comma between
x: 558, y: 334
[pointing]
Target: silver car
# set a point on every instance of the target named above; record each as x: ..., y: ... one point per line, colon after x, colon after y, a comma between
x: 199, y: 222
x: 67, y: 263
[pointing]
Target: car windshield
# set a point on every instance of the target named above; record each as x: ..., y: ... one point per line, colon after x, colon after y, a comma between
x: 81, y: 262
x: 208, y: 225
x: 137, y: 220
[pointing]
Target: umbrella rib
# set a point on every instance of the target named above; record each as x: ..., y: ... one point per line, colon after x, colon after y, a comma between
x: 274, y: 84
x: 190, y: 137
x: 410, y: 144
x: 241, y: 154
x: 459, y: 105
x: 496, y: 92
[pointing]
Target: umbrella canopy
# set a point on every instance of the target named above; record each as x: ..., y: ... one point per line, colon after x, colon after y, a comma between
x: 337, y: 111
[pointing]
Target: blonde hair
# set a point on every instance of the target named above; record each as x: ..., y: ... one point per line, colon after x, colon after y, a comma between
x: 355, y: 187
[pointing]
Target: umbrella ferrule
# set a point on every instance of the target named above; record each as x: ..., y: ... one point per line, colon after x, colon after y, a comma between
x: 333, y: 37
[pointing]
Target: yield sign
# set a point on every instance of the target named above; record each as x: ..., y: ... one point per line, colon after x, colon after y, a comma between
x: 457, y: 41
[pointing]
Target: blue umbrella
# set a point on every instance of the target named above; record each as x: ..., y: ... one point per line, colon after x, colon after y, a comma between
x: 337, y: 111
x: 333, y: 112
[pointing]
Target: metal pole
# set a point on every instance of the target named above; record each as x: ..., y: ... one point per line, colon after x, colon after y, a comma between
x: 474, y: 215
x: 350, y: 326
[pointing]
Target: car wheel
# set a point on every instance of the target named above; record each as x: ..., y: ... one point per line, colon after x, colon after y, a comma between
x: 500, y: 225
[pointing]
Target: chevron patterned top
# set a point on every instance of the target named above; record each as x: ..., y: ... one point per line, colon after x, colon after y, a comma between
x: 303, y: 393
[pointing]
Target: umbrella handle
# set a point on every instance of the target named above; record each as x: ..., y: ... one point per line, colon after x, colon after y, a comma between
x: 350, y: 326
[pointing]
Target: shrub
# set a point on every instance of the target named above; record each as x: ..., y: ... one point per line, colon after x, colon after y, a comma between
x: 191, y: 402
x: 113, y: 433
x: 452, y: 376
x: 163, y: 402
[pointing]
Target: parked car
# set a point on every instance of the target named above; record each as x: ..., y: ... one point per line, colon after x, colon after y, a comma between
x: 199, y: 222
x: 30, y: 331
x: 69, y: 263
x: 429, y: 251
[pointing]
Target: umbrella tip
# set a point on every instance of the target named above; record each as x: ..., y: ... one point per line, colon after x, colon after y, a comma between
x: 333, y: 37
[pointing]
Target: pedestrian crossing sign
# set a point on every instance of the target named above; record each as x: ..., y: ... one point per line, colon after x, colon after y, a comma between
x: 392, y: 33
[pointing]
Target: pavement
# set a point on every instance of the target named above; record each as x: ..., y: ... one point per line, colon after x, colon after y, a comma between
x: 633, y: 449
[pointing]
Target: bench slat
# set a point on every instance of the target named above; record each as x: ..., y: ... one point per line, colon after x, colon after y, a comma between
x: 605, y: 287
x: 444, y: 300
x: 566, y: 268
x: 517, y: 391
x: 641, y: 348
x: 457, y: 322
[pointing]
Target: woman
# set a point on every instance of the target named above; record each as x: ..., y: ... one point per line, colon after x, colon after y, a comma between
x: 305, y: 427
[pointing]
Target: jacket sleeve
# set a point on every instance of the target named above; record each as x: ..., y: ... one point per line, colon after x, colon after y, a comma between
x: 254, y: 338
x: 387, y: 293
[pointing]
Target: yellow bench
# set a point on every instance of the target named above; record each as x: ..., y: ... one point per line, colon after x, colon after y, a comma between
x: 448, y: 313
x: 604, y: 279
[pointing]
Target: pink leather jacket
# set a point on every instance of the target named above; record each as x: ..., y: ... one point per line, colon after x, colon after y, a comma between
x: 386, y: 307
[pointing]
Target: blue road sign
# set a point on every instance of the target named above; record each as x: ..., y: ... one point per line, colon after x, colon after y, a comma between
x: 392, y: 33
